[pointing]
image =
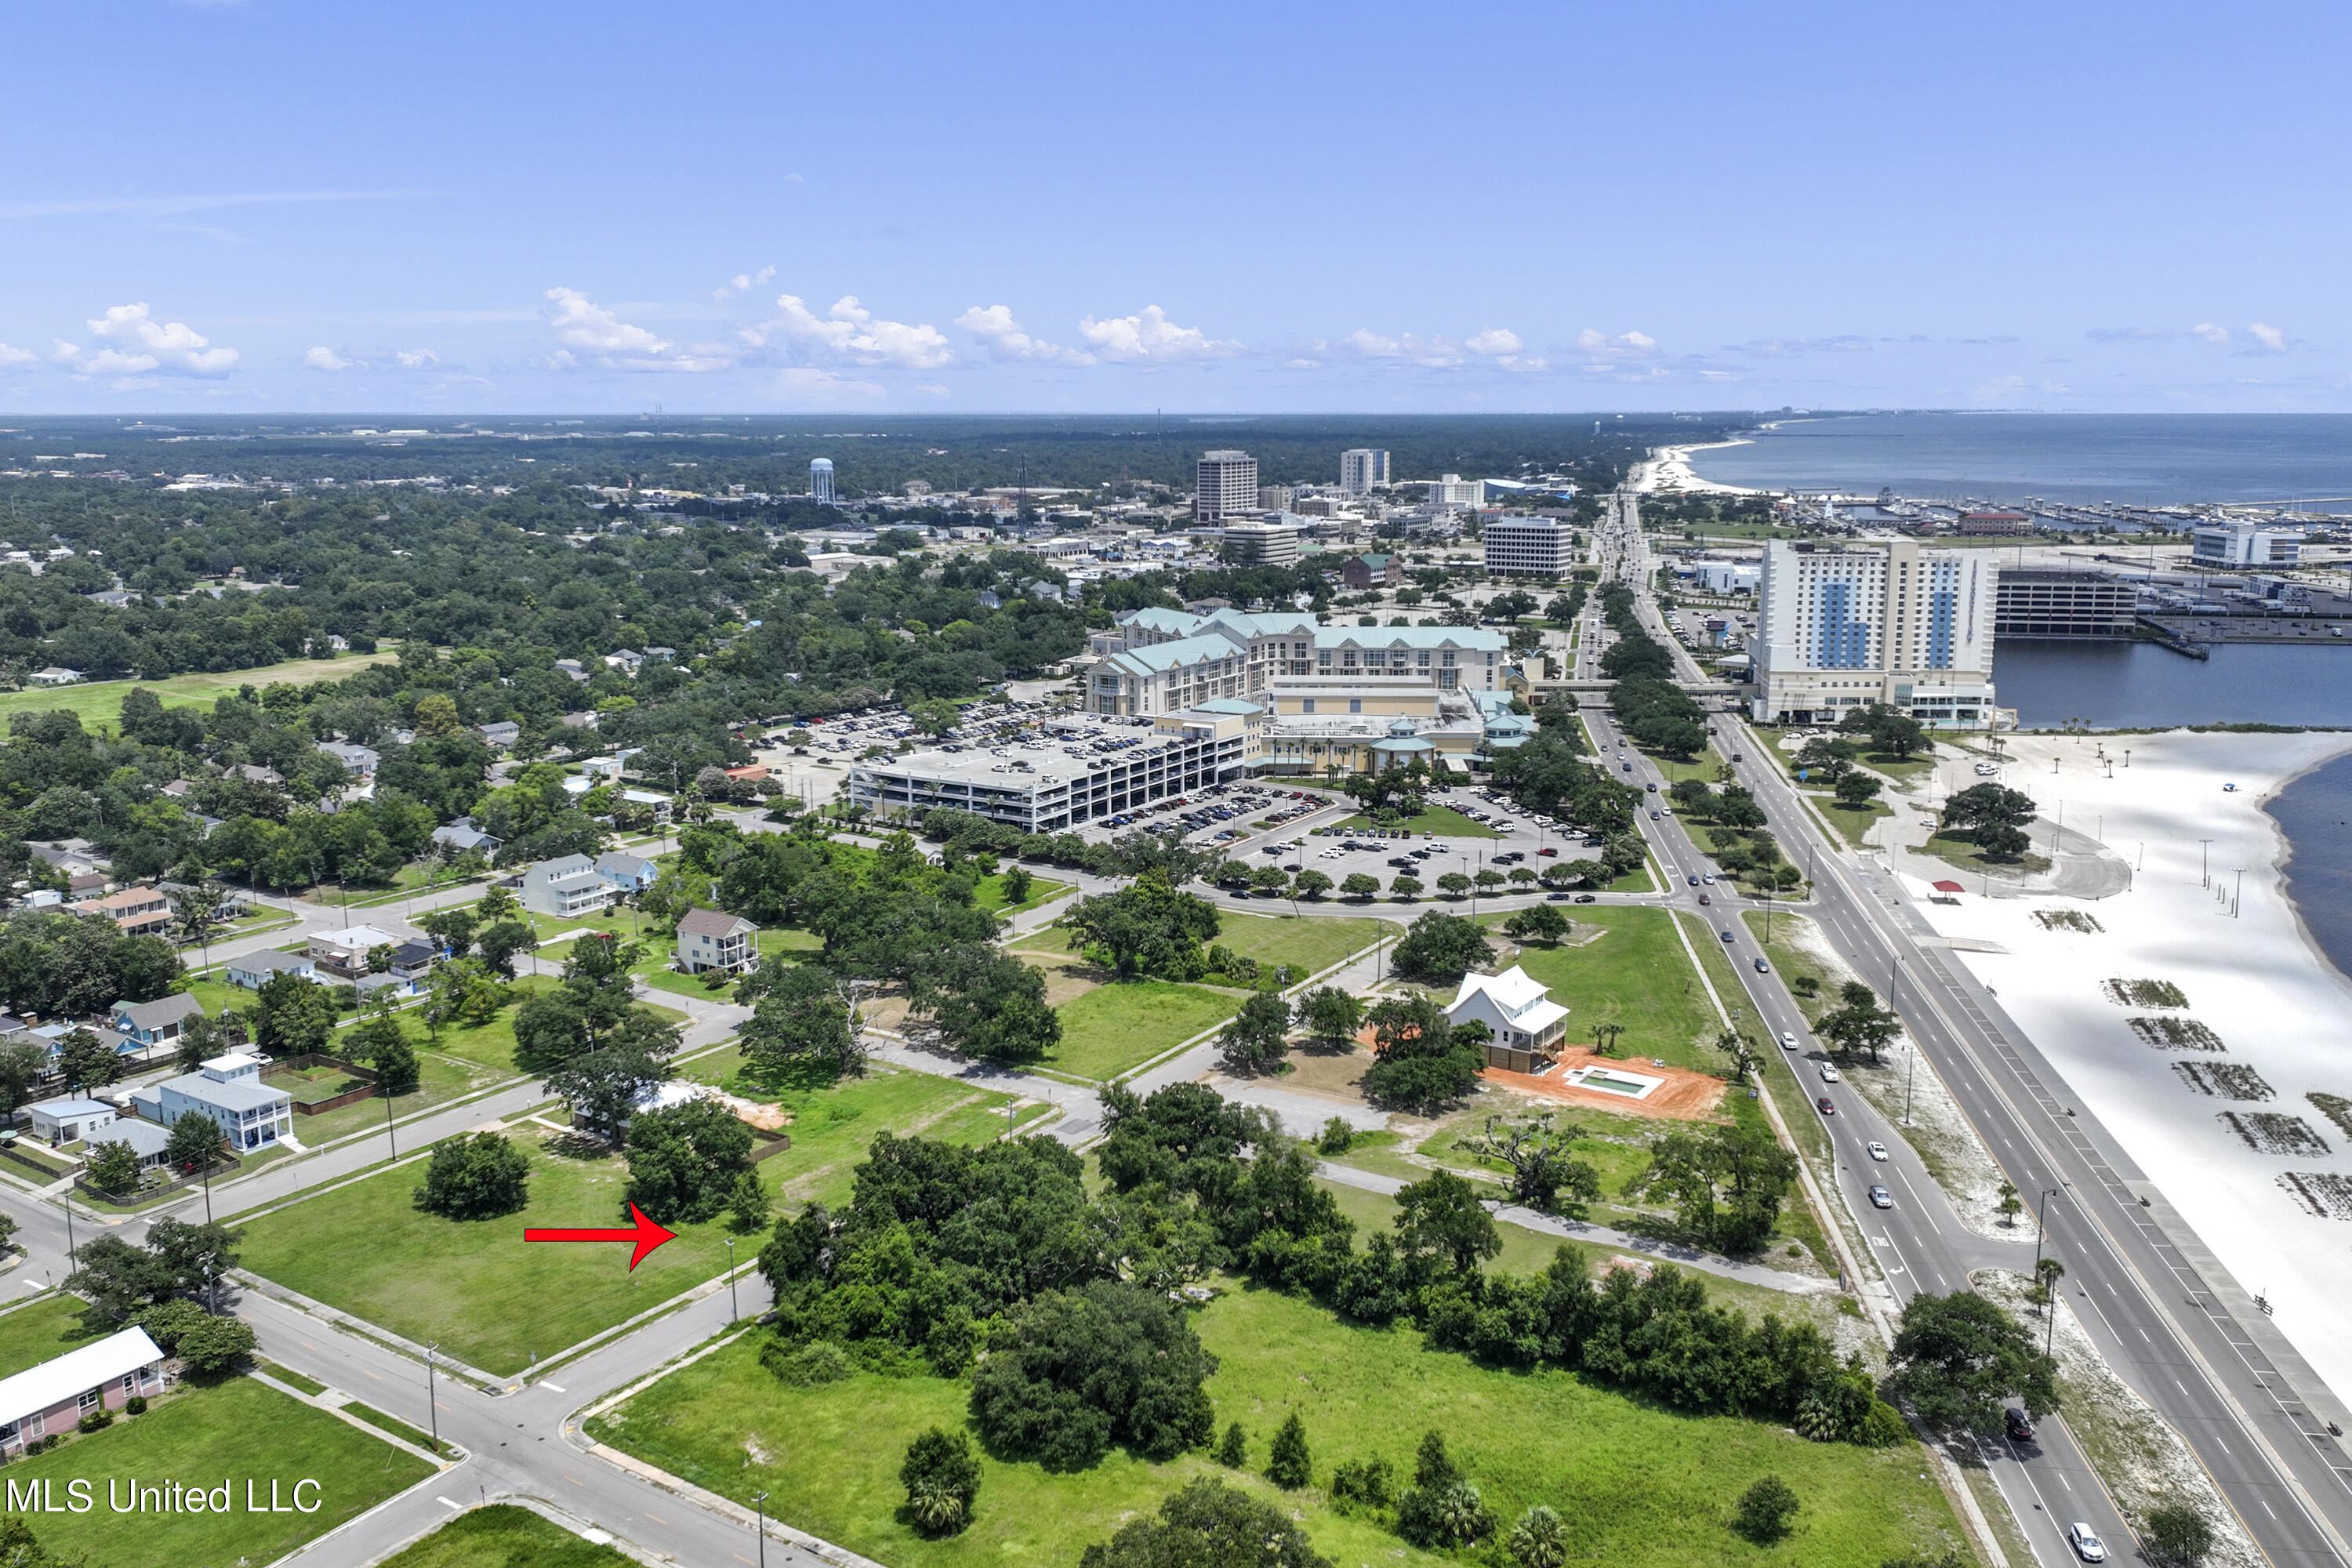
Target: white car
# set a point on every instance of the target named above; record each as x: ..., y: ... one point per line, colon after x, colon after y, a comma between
x: 2086, y: 1542
x: 1788, y: 1041
x: 1877, y: 1150
x: 1829, y: 1073
x: 1986, y: 770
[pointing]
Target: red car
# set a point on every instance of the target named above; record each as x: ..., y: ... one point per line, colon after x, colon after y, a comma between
x: 1824, y: 1106
x: 1546, y: 849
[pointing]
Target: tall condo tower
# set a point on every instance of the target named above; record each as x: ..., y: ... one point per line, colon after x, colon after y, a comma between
x: 1363, y: 469
x: 821, y: 478
x: 1227, y: 484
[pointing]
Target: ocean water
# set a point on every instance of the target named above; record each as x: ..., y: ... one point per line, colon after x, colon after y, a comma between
x: 2315, y: 811
x: 2139, y: 686
x: 2136, y: 458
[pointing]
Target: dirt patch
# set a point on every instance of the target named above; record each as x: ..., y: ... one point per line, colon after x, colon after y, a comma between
x: 1066, y: 979
x: 1683, y: 1097
x: 2143, y: 1461
x: 1337, y: 1073
x: 2267, y: 1132
x: 2228, y: 1081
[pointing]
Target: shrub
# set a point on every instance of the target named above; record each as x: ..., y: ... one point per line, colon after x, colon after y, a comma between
x: 97, y: 1420
x: 215, y: 1344
x: 1337, y: 1137
x: 1539, y: 1540
x: 1365, y: 1481
x: 805, y: 1366
x: 1208, y: 1522
x: 942, y: 1479
x: 1233, y: 1452
x: 1766, y: 1511
x: 135, y: 1405
x: 2178, y: 1535
x: 1288, y: 1465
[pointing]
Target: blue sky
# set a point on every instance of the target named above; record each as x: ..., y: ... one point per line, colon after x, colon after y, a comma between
x: 585, y: 206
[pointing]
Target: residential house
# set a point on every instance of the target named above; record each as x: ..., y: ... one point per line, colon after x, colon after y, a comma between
x: 253, y: 773
x: 180, y: 789
x: 1526, y: 1024
x: 254, y: 969
x: 1363, y: 571
x: 135, y: 911
x: 231, y: 905
x: 147, y: 1140
x: 158, y: 1022
x: 567, y: 886
x: 360, y: 760
x: 503, y: 734
x: 250, y: 1114
x: 580, y: 721
x: 54, y: 1396
x: 462, y: 838
x: 54, y: 675
x: 53, y: 1038
x: 344, y: 953
x: 627, y: 873
x: 63, y: 1120
x: 713, y: 939
x: 572, y: 667
x: 413, y: 961
x: 90, y: 885
x: 628, y: 660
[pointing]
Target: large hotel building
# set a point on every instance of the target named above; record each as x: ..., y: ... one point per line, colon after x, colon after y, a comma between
x: 1842, y: 626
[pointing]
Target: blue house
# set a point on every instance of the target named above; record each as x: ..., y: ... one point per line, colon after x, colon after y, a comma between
x: 629, y: 873
x: 155, y: 1023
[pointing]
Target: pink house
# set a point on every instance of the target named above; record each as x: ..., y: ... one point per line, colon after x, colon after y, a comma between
x: 53, y: 1395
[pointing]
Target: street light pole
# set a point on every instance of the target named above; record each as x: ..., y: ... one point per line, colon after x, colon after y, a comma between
x: 759, y: 1504
x: 2042, y: 1226
x: 432, y: 1409
x: 2204, y: 863
x: 734, y: 1308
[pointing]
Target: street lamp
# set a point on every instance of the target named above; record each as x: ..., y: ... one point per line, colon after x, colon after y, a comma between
x: 734, y: 1311
x: 432, y: 1410
x: 759, y: 1504
x: 2204, y: 863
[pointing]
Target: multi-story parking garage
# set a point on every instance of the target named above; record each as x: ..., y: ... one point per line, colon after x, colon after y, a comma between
x: 1076, y: 770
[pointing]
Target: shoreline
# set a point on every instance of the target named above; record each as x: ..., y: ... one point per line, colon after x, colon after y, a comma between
x: 2257, y: 979
x: 1668, y: 468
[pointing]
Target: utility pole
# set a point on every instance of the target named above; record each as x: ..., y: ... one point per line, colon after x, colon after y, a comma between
x: 734, y: 1306
x: 759, y: 1504
x: 432, y: 1410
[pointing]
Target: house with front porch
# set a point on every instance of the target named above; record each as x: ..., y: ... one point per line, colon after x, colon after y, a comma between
x: 1525, y: 1024
x: 713, y: 939
x: 54, y: 1396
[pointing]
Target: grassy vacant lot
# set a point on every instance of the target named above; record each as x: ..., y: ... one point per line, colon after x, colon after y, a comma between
x: 1308, y: 945
x: 1441, y: 820
x: 1637, y: 974
x: 101, y: 701
x: 505, y: 1536
x: 49, y: 1326
x: 1852, y: 821
x: 440, y: 1079
x: 1963, y: 853
x: 491, y: 1300
x: 832, y: 1126
x: 1113, y: 1028
x: 229, y: 1432
x: 1639, y: 1486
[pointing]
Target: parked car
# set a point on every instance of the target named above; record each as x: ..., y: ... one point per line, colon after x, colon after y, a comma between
x: 1877, y: 1150
x: 1880, y: 1198
x: 2086, y: 1542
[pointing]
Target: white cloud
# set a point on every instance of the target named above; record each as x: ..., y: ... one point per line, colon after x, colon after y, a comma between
x: 2271, y: 338
x: 324, y: 358
x: 174, y: 348
x: 415, y: 358
x: 1150, y: 335
x: 1624, y: 345
x: 1496, y: 341
x: 17, y: 356
x: 821, y: 388
x: 2218, y: 336
x: 578, y: 322
x: 848, y: 332
x: 1783, y: 348
x: 742, y: 283
x: 1003, y: 338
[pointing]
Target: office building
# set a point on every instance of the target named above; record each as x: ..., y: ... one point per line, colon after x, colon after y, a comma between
x: 1273, y: 497
x: 1225, y: 485
x: 1072, y: 770
x: 1726, y: 576
x: 2054, y: 603
x: 1363, y: 571
x: 1452, y: 490
x: 1363, y: 470
x: 1261, y: 543
x: 1980, y: 524
x: 2236, y: 541
x: 1530, y: 546
x: 1894, y: 623
x: 821, y: 479
x: 1173, y: 660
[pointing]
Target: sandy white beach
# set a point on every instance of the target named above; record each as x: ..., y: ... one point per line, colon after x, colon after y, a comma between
x: 2253, y: 978
x: 1668, y: 468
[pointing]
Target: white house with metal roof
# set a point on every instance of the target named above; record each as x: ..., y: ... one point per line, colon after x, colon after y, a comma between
x: 251, y: 1115
x: 1518, y: 1013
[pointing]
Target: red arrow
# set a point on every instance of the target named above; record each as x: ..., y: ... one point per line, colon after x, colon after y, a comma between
x: 644, y: 1233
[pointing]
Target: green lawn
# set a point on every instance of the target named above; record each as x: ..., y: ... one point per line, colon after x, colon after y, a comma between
x: 1640, y: 1486
x: 832, y: 1127
x: 478, y: 1288
x: 1307, y: 945
x: 1113, y: 1029
x: 1636, y: 975
x: 1851, y: 821
x: 505, y: 1536
x: 440, y: 1079
x: 233, y: 1433
x: 1441, y: 820
x: 49, y: 1327
x: 989, y: 894
x: 489, y: 1045
x: 1963, y: 853
x: 101, y: 701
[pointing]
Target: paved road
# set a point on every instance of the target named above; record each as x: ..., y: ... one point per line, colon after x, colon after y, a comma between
x: 2159, y: 1324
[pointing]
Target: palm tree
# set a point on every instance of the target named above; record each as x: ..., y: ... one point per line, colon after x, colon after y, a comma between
x: 1604, y: 1039
x: 195, y: 914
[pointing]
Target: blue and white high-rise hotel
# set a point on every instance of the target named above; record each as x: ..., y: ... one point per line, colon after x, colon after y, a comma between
x: 1841, y: 626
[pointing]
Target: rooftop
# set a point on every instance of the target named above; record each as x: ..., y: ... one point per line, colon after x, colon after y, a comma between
x: 52, y: 1383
